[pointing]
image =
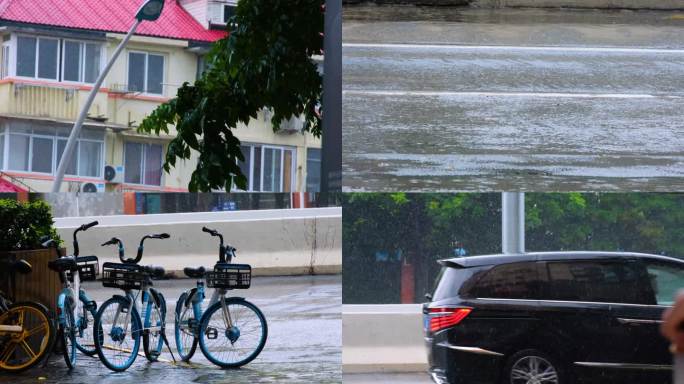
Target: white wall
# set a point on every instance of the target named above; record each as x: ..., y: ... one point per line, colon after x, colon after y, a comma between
x: 383, y: 338
x: 285, y: 241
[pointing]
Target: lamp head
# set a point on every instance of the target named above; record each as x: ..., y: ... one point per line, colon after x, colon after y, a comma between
x: 150, y: 10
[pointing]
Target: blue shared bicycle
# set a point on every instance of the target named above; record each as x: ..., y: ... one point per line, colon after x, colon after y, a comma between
x: 119, y: 324
x: 75, y: 310
x: 232, y: 331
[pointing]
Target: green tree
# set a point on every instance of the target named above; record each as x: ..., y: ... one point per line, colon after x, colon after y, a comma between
x: 264, y: 63
x: 23, y: 225
x: 424, y: 227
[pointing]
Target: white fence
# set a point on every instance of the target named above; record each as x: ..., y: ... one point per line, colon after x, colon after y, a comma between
x: 274, y: 242
x: 383, y: 338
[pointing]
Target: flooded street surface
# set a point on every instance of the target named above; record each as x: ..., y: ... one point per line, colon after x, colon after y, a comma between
x: 493, y: 100
x: 397, y: 378
x: 303, y: 346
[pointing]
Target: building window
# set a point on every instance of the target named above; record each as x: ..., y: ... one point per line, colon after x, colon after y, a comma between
x: 48, y: 58
x: 41, y: 154
x: 39, y: 150
x: 39, y: 57
x: 313, y: 170
x: 19, y: 156
x: 228, y: 12
x: 26, y: 56
x: 145, y: 73
x: 4, y: 66
x: 202, y: 66
x: 143, y: 163
x: 81, y: 62
x: 268, y: 168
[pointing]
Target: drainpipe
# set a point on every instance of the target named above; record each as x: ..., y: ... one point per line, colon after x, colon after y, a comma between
x: 513, y: 222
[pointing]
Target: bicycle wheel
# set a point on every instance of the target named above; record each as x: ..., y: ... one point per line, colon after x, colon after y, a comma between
x: 19, y: 352
x: 234, y: 345
x: 118, y: 334
x: 85, y: 337
x: 66, y: 333
x: 186, y: 329
x: 152, y: 338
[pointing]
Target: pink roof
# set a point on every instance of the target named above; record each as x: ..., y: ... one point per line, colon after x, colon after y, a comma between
x: 7, y: 186
x: 107, y: 16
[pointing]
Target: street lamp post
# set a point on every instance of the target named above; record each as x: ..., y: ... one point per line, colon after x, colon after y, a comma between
x: 150, y: 11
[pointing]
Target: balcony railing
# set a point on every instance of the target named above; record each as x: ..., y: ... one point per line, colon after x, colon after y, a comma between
x: 42, y: 101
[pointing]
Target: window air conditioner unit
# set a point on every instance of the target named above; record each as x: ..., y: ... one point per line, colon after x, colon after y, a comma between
x: 291, y: 125
x: 114, y: 174
x: 92, y: 187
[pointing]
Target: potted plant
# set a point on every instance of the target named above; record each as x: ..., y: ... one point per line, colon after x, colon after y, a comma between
x: 22, y: 225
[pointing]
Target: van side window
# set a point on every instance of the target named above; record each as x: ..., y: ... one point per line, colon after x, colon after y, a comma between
x: 453, y: 282
x: 619, y: 281
x: 666, y: 279
x: 509, y: 281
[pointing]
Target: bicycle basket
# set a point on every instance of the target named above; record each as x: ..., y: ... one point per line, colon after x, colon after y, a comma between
x: 88, y: 268
x: 122, y: 276
x: 230, y: 276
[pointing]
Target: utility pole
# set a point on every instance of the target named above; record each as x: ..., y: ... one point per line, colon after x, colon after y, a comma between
x: 331, y: 152
x: 513, y: 222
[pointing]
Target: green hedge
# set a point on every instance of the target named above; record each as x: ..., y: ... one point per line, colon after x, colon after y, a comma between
x: 22, y: 225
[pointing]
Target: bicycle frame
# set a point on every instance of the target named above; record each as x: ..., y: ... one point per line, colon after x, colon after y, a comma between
x: 4, y: 307
x: 147, y: 302
x: 72, y: 291
x: 217, y: 295
x: 77, y: 296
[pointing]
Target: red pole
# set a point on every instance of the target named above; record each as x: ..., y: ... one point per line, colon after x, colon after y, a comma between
x: 408, y: 284
x: 129, y: 203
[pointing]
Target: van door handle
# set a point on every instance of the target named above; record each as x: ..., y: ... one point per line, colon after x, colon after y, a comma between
x: 623, y: 320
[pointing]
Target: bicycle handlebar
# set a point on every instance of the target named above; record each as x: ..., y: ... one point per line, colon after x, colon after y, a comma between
x: 83, y: 227
x: 160, y: 236
x: 114, y: 241
x: 211, y: 231
x: 223, y: 249
x: 47, y: 242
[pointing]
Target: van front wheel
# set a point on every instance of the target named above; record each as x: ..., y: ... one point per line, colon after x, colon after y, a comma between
x: 532, y: 366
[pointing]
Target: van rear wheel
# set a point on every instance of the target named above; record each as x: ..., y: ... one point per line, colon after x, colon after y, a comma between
x: 531, y: 366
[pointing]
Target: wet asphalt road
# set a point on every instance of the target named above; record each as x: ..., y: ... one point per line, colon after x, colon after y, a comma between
x: 303, y: 345
x: 398, y: 378
x: 512, y: 100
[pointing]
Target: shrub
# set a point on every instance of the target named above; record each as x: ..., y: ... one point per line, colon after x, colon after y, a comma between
x: 22, y: 225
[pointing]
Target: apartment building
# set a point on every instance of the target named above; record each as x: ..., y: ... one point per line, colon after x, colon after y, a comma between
x: 53, y: 51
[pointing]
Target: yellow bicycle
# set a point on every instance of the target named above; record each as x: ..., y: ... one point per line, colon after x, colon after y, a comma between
x: 27, y: 333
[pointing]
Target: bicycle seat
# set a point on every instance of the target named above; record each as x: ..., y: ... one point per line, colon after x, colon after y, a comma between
x: 22, y: 266
x: 153, y: 271
x: 63, y: 264
x: 195, y: 273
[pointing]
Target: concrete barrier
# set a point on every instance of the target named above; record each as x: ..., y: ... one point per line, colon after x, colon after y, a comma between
x: 596, y: 4
x: 383, y: 338
x: 274, y: 242
x: 670, y: 5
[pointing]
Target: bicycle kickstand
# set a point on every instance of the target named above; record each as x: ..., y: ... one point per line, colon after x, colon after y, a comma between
x: 166, y: 341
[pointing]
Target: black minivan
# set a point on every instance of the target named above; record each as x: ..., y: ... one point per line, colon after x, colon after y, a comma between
x: 552, y: 317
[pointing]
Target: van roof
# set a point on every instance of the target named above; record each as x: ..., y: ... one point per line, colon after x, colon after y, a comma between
x: 482, y: 260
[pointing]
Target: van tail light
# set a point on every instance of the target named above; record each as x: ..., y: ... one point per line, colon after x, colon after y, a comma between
x: 441, y: 318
